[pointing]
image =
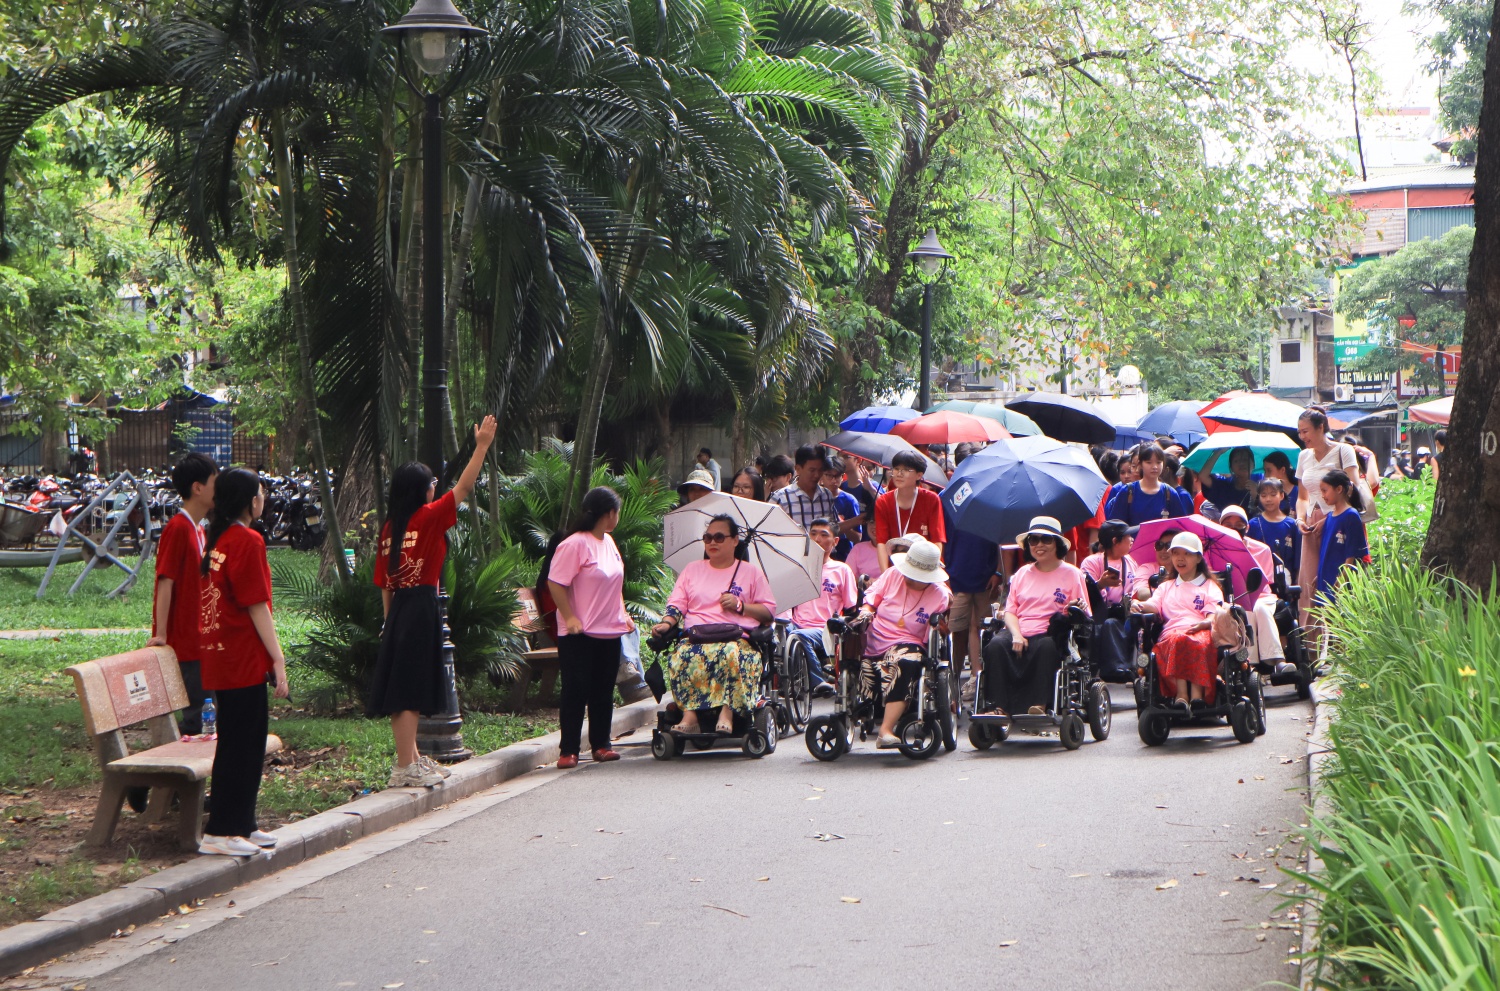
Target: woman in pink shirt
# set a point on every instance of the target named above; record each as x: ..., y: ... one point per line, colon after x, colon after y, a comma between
x: 1022, y: 660
x: 586, y: 577
x: 1185, y: 651
x: 899, y: 607
x: 719, y: 589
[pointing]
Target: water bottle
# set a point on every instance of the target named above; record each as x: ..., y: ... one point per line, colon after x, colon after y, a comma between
x: 210, y: 716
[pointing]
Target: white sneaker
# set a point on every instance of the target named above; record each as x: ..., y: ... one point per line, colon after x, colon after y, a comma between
x: 428, y: 764
x: 263, y: 840
x: 228, y: 846
x: 414, y: 776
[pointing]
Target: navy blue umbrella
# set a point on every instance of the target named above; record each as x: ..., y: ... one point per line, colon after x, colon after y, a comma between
x: 995, y: 493
x: 1128, y: 437
x: 1065, y: 417
x: 1178, y: 420
x: 877, y: 419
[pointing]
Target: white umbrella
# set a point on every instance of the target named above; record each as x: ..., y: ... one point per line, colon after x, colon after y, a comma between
x: 787, y: 556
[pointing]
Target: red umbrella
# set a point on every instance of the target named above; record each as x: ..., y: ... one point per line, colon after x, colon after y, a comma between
x: 1214, y: 426
x: 947, y: 427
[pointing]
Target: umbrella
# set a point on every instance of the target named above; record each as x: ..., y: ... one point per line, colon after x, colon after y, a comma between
x: 947, y: 427
x: 878, y: 419
x: 1438, y: 411
x: 786, y: 555
x: 1262, y: 442
x: 1262, y: 412
x: 1065, y: 417
x: 1178, y: 420
x: 1214, y: 426
x: 1018, y: 424
x: 1222, y: 548
x: 881, y: 448
x: 995, y: 493
x: 1128, y: 437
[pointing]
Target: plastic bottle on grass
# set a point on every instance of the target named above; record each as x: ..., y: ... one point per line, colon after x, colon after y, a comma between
x: 210, y: 719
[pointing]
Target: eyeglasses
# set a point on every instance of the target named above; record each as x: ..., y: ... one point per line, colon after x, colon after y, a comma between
x: 715, y: 538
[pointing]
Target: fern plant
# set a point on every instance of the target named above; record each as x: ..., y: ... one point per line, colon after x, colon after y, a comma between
x: 343, y: 637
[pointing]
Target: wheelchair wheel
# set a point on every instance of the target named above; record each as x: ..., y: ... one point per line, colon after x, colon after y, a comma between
x: 1070, y: 733
x: 1257, y: 697
x: 920, y: 738
x: 1141, y: 701
x: 1154, y: 730
x: 980, y: 737
x: 761, y: 739
x: 827, y: 737
x: 797, y: 687
x: 1100, y: 710
x: 664, y: 746
x: 946, y: 720
x: 1242, y: 721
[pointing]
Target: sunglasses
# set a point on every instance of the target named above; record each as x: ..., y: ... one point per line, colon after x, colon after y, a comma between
x: 1036, y: 538
x: 716, y: 538
x: 1163, y: 545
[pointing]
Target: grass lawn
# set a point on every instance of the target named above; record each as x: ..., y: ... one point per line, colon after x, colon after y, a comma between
x: 49, y: 778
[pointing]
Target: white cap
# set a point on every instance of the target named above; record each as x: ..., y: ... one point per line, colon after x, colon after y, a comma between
x: 1234, y: 511
x: 1187, y: 542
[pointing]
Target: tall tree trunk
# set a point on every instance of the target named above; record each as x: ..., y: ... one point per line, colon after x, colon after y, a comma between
x: 408, y: 282
x: 1464, y: 537
x: 287, y: 194
x: 666, y: 447
x: 590, y: 412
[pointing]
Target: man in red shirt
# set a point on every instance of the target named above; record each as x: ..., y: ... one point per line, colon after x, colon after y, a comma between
x: 179, y: 581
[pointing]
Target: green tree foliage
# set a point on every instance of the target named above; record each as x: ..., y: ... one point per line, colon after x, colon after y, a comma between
x: 1458, y: 51
x: 1423, y: 283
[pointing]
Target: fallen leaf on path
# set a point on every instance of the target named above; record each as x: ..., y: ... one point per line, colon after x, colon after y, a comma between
x: 1260, y: 777
x: 1077, y: 875
x: 1200, y: 873
x: 731, y: 911
x: 607, y: 877
x: 948, y: 822
x: 1008, y: 942
x: 424, y: 961
x: 394, y: 984
x: 584, y: 933
x: 695, y: 880
x: 1260, y: 937
x: 430, y: 932
x: 816, y: 788
x: 849, y: 901
x: 1267, y: 887
x: 1169, y: 883
x: 825, y: 837
x: 422, y: 888
x: 813, y: 798
x: 1223, y: 893
x: 767, y: 878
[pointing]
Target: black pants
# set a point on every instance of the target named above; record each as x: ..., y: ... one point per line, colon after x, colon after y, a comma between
x: 1016, y: 682
x: 190, y: 720
x: 589, y: 666
x: 244, y: 717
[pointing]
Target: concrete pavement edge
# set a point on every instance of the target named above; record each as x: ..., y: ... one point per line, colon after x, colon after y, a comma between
x: 28, y: 944
x: 1319, y: 750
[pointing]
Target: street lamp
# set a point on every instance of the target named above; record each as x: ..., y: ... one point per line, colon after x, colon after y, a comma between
x: 430, y: 37
x: 931, y: 260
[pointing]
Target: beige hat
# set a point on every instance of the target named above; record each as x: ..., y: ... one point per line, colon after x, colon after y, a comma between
x: 901, y: 543
x: 1234, y: 511
x: 1045, y: 526
x: 697, y: 477
x: 1185, y: 541
x: 923, y: 563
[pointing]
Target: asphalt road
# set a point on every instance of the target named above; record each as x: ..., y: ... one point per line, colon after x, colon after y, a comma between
x: 1113, y: 868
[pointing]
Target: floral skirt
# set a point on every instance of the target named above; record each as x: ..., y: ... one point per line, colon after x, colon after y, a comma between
x: 880, y: 676
x: 710, y: 675
x: 1191, y: 656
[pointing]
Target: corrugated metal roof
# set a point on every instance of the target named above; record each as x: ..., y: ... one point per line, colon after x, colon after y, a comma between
x: 1424, y: 177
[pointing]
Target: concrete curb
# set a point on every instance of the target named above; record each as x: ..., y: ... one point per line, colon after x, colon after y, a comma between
x: 1319, y: 751
x: 28, y: 944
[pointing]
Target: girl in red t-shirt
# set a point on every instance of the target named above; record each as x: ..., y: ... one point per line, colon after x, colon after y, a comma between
x: 906, y: 508
x: 239, y: 647
x: 408, y: 678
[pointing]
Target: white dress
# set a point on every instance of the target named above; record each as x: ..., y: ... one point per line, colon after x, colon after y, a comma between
x: 1311, y: 469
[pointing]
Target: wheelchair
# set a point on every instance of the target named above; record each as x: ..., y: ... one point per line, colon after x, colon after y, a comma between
x: 756, y: 731
x: 1287, y: 596
x: 1078, y: 694
x: 794, y: 660
x: 1239, y: 695
x: 929, y: 722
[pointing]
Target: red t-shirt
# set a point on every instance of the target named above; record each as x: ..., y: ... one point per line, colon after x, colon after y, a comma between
x: 925, y: 517
x: 238, y: 577
x: 179, y: 556
x: 423, y: 547
x: 1076, y: 535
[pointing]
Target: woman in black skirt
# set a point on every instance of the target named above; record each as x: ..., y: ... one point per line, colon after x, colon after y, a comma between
x: 408, y: 680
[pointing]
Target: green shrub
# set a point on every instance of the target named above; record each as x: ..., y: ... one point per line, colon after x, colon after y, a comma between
x: 1405, y: 510
x: 1411, y: 895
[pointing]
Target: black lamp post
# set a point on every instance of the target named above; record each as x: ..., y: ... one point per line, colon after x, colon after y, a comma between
x: 931, y: 261
x: 431, y: 35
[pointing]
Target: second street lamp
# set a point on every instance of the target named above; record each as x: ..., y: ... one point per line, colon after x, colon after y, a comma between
x: 931, y: 259
x: 430, y: 37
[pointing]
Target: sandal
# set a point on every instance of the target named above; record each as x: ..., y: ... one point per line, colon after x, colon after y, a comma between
x: 724, y: 729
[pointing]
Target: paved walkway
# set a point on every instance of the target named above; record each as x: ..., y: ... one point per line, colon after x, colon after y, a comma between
x: 1116, y: 868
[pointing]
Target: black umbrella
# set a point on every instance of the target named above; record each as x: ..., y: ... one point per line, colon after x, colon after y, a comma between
x: 881, y: 448
x: 1065, y: 417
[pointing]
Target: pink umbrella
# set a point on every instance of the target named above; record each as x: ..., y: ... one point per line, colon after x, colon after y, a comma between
x: 947, y: 427
x: 1439, y: 411
x: 1222, y: 548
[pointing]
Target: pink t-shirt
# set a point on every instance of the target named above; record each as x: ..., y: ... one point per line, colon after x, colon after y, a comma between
x: 863, y: 559
x: 594, y: 575
x: 1183, y: 604
x: 1093, y: 566
x: 838, y: 594
x: 696, y: 595
x: 901, y: 613
x: 1035, y: 596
